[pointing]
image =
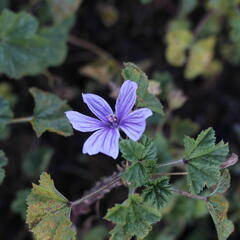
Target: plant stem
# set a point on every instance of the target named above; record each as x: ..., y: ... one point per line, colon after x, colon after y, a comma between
x: 189, y: 195
x: 170, y: 174
x: 115, y: 180
x: 180, y: 161
x: 21, y: 120
x: 92, y: 48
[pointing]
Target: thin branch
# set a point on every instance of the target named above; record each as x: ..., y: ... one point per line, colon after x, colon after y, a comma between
x: 113, y: 181
x: 92, y: 48
x: 180, y: 161
x: 21, y: 120
x: 189, y: 195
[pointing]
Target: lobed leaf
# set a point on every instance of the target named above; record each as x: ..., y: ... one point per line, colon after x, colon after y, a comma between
x: 203, y: 159
x: 49, y: 114
x: 201, y: 54
x: 24, y: 49
x: 144, y: 98
x: 157, y: 193
x: 143, y: 156
x: 6, y: 113
x: 48, y: 214
x: 218, y: 206
x: 132, y: 218
x: 3, y: 163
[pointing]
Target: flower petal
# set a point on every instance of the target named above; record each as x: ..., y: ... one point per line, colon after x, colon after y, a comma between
x: 126, y: 99
x: 135, y: 123
x: 105, y: 141
x: 98, y: 106
x: 82, y: 122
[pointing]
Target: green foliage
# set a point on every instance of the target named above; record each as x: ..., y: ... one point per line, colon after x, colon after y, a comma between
x: 143, y: 158
x: 7, y: 94
x: 63, y: 9
x: 3, y: 163
x: 36, y: 161
x: 187, y: 6
x: 48, y: 214
x: 6, y: 113
x: 98, y: 232
x: 182, y: 127
x: 224, y: 183
x: 203, y: 159
x: 19, y: 205
x: 178, y: 39
x: 144, y: 98
x: 49, y: 114
x: 201, y: 54
x: 27, y: 51
x: 132, y: 218
x: 157, y: 193
x: 218, y: 206
x: 4, y: 4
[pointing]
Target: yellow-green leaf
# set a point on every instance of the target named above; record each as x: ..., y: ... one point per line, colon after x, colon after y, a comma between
x: 218, y: 206
x: 201, y: 54
x: 48, y: 215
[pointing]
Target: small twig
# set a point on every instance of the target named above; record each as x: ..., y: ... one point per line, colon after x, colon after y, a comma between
x: 180, y: 161
x: 21, y: 120
x: 189, y: 195
x: 95, y: 193
x: 92, y: 48
x: 170, y: 174
x: 202, y: 23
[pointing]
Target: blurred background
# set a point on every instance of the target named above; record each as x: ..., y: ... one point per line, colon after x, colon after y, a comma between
x: 190, y: 50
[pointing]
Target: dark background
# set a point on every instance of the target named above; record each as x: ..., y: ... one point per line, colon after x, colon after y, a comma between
x: 136, y: 36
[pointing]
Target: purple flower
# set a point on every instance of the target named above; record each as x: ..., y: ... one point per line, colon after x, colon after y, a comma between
x: 105, y: 139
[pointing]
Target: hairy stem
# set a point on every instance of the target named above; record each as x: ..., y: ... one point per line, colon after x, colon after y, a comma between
x: 115, y: 180
x: 21, y: 120
x: 189, y: 195
x: 180, y: 161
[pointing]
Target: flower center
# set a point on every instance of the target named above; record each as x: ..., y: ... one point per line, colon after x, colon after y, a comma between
x: 113, y: 120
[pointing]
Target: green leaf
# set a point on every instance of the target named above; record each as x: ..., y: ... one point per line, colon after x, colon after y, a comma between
x: 187, y: 6
x: 48, y: 215
x: 99, y: 232
x: 4, y: 4
x: 203, y: 159
x: 218, y: 206
x: 63, y: 9
x: 144, y: 98
x: 132, y: 218
x: 6, y: 91
x: 201, y: 55
x: 57, y: 37
x: 25, y: 50
x: 19, y: 205
x: 143, y: 156
x: 157, y: 193
x: 178, y: 39
x: 49, y: 114
x: 36, y: 161
x: 224, y: 183
x: 181, y: 127
x: 6, y: 113
x: 22, y: 50
x: 3, y: 163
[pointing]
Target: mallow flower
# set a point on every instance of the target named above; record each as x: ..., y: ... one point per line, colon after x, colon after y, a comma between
x: 105, y: 138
